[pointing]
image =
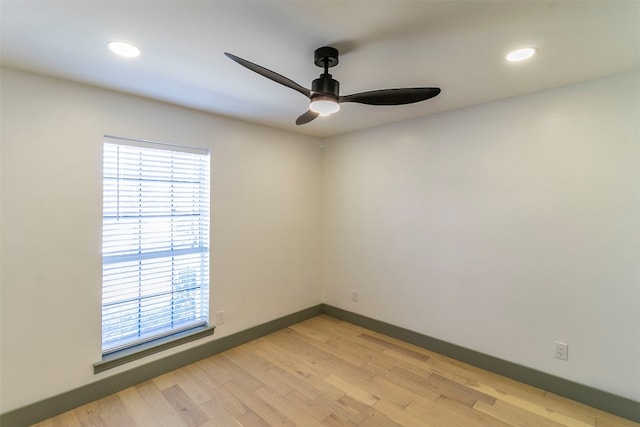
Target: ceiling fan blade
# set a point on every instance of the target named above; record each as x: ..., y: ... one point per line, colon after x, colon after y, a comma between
x: 306, y: 117
x: 270, y: 75
x: 392, y: 96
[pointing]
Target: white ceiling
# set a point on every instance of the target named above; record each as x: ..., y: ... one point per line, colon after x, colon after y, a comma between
x: 458, y: 46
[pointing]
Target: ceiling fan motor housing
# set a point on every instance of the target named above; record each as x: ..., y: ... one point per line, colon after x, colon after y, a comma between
x: 325, y: 86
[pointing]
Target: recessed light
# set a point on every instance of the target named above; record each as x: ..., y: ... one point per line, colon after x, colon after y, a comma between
x: 124, y: 49
x: 521, y: 54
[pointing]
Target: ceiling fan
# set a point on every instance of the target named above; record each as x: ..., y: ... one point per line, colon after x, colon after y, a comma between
x: 325, y: 91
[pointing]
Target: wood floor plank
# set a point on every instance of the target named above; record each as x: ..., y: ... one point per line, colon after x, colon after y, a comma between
x: 309, y: 406
x: 565, y: 406
x: 211, y: 366
x: 165, y: 381
x: 360, y: 350
x: 286, y: 339
x: 531, y: 407
x: 300, y: 376
x: 240, y: 376
x: 186, y: 408
x: 401, y: 343
x: 304, y: 385
x: 139, y: 411
x: 334, y: 421
x: 515, y: 415
x: 475, y: 417
x: 400, y: 416
x: 90, y: 415
x: 439, y: 415
x: 217, y: 392
x: 251, y: 419
x: 459, y: 371
x: 609, y: 420
x: 114, y: 412
x: 310, y: 385
x: 402, y: 392
x: 372, y: 416
x: 389, y: 393
x: 442, y: 367
x: 457, y: 391
x: 287, y: 408
x: 263, y: 409
x: 259, y: 369
x: 248, y: 353
x: 335, y: 353
x: 395, y: 348
x: 325, y: 321
x: 424, y: 371
x: 68, y: 419
x: 356, y: 355
x: 341, y: 414
x: 284, y: 359
x: 324, y: 364
x: 161, y: 407
x: 190, y: 385
x: 219, y: 415
x: 312, y: 332
x: 326, y: 372
x: 352, y: 390
x: 409, y: 381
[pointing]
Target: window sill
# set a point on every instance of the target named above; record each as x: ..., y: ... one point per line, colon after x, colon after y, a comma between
x: 138, y: 352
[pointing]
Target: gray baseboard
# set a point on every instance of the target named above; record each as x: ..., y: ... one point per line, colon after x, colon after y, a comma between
x: 605, y: 401
x: 55, y: 405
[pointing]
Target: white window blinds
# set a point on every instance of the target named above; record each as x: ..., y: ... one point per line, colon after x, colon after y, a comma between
x: 155, y: 250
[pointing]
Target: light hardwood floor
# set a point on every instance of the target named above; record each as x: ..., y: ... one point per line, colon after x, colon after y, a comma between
x: 325, y: 372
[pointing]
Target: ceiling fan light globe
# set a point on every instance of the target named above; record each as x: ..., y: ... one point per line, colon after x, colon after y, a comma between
x: 324, y: 107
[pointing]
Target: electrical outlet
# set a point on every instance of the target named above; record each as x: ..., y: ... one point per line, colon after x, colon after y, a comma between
x: 220, y: 317
x: 354, y: 296
x: 561, y: 350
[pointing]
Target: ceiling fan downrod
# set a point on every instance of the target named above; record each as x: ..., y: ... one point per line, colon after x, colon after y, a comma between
x: 325, y: 86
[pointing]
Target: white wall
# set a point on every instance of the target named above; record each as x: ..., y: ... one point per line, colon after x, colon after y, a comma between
x: 265, y: 224
x: 500, y: 228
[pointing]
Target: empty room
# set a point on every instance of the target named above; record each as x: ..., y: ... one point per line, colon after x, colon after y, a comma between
x: 319, y: 213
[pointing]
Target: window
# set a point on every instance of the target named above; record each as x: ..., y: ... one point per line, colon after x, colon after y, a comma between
x: 155, y: 241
